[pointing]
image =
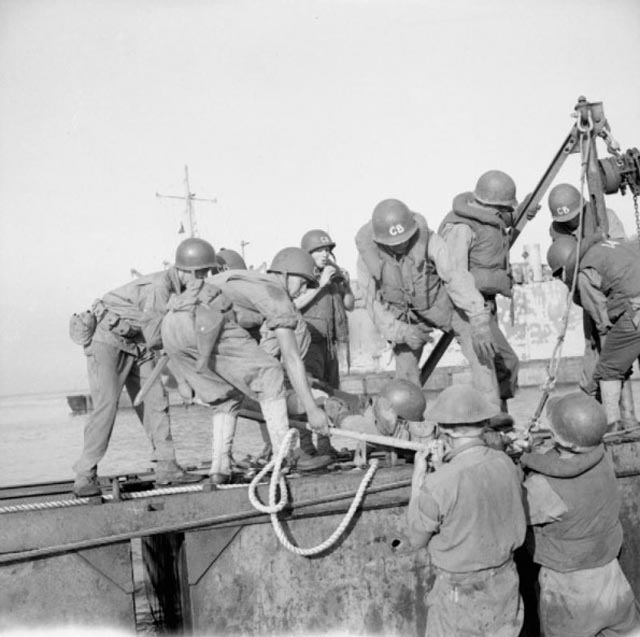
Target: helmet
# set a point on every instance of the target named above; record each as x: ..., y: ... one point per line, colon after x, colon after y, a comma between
x: 560, y: 252
x: 393, y: 222
x: 577, y: 419
x: 195, y: 254
x: 565, y: 202
x: 406, y: 399
x: 496, y: 188
x: 230, y: 260
x: 315, y: 239
x: 462, y: 405
x: 294, y: 261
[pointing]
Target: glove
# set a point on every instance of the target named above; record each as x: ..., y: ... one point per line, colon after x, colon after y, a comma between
x: 481, y: 337
x: 82, y: 327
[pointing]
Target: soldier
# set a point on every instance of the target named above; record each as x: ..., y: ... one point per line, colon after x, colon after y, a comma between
x: 230, y: 260
x: 477, y: 235
x: 410, y: 287
x: 229, y: 364
x: 565, y: 204
x: 608, y: 289
x: 120, y: 354
x: 573, y: 503
x: 469, y: 515
x: 324, y: 309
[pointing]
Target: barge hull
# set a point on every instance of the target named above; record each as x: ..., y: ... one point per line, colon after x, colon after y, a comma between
x: 218, y: 567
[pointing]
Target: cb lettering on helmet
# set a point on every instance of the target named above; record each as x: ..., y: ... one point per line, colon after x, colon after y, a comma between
x: 397, y: 229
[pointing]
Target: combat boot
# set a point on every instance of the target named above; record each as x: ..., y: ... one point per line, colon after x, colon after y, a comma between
x: 611, y: 391
x: 170, y: 472
x: 304, y: 462
x: 306, y: 442
x: 86, y: 486
x: 627, y: 409
x: 325, y: 448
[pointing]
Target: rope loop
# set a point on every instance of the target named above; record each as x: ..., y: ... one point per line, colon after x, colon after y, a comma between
x: 275, y: 506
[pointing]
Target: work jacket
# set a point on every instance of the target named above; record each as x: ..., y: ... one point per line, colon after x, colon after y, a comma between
x: 326, y: 316
x: 262, y: 305
x: 488, y: 252
x: 618, y: 265
x: 407, y: 284
x: 129, y: 316
x: 588, y: 532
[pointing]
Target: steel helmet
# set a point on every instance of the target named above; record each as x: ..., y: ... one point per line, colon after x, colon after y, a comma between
x: 406, y: 399
x: 392, y: 222
x: 316, y: 239
x: 560, y: 252
x: 565, y: 202
x: 462, y: 405
x: 577, y: 420
x: 495, y: 188
x: 195, y: 254
x: 294, y: 261
x: 230, y: 260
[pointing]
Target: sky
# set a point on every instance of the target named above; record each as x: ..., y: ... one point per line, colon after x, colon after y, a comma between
x: 292, y: 115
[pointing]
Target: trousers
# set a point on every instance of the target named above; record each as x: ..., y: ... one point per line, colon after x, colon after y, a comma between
x: 109, y: 370
x: 593, y: 601
x: 506, y: 361
x: 484, y: 377
x: 477, y: 604
x: 621, y: 347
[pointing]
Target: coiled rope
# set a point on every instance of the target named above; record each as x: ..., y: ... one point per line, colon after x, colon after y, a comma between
x: 275, y: 506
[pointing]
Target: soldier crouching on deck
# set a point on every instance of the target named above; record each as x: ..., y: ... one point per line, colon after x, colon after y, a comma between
x: 222, y: 362
x: 411, y: 287
x: 608, y: 289
x: 469, y: 515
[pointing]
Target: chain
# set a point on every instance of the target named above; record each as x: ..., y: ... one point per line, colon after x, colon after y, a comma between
x: 637, y: 214
x: 554, y: 362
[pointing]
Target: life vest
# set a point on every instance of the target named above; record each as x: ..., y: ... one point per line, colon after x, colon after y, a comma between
x: 589, y: 534
x: 326, y: 316
x: 408, y: 284
x: 489, y: 256
x: 618, y: 263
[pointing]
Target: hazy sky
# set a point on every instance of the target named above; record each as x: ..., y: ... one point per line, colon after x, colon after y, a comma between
x: 293, y: 114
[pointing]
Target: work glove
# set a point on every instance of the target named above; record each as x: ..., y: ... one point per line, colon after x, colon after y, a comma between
x: 417, y: 335
x: 481, y: 337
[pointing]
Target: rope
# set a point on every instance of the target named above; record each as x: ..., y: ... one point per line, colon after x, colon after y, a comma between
x: 277, y: 479
x: 72, y: 502
x: 275, y: 506
x: 637, y: 215
x: 554, y: 362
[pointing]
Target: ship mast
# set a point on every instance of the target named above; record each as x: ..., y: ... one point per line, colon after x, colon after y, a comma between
x: 188, y: 197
